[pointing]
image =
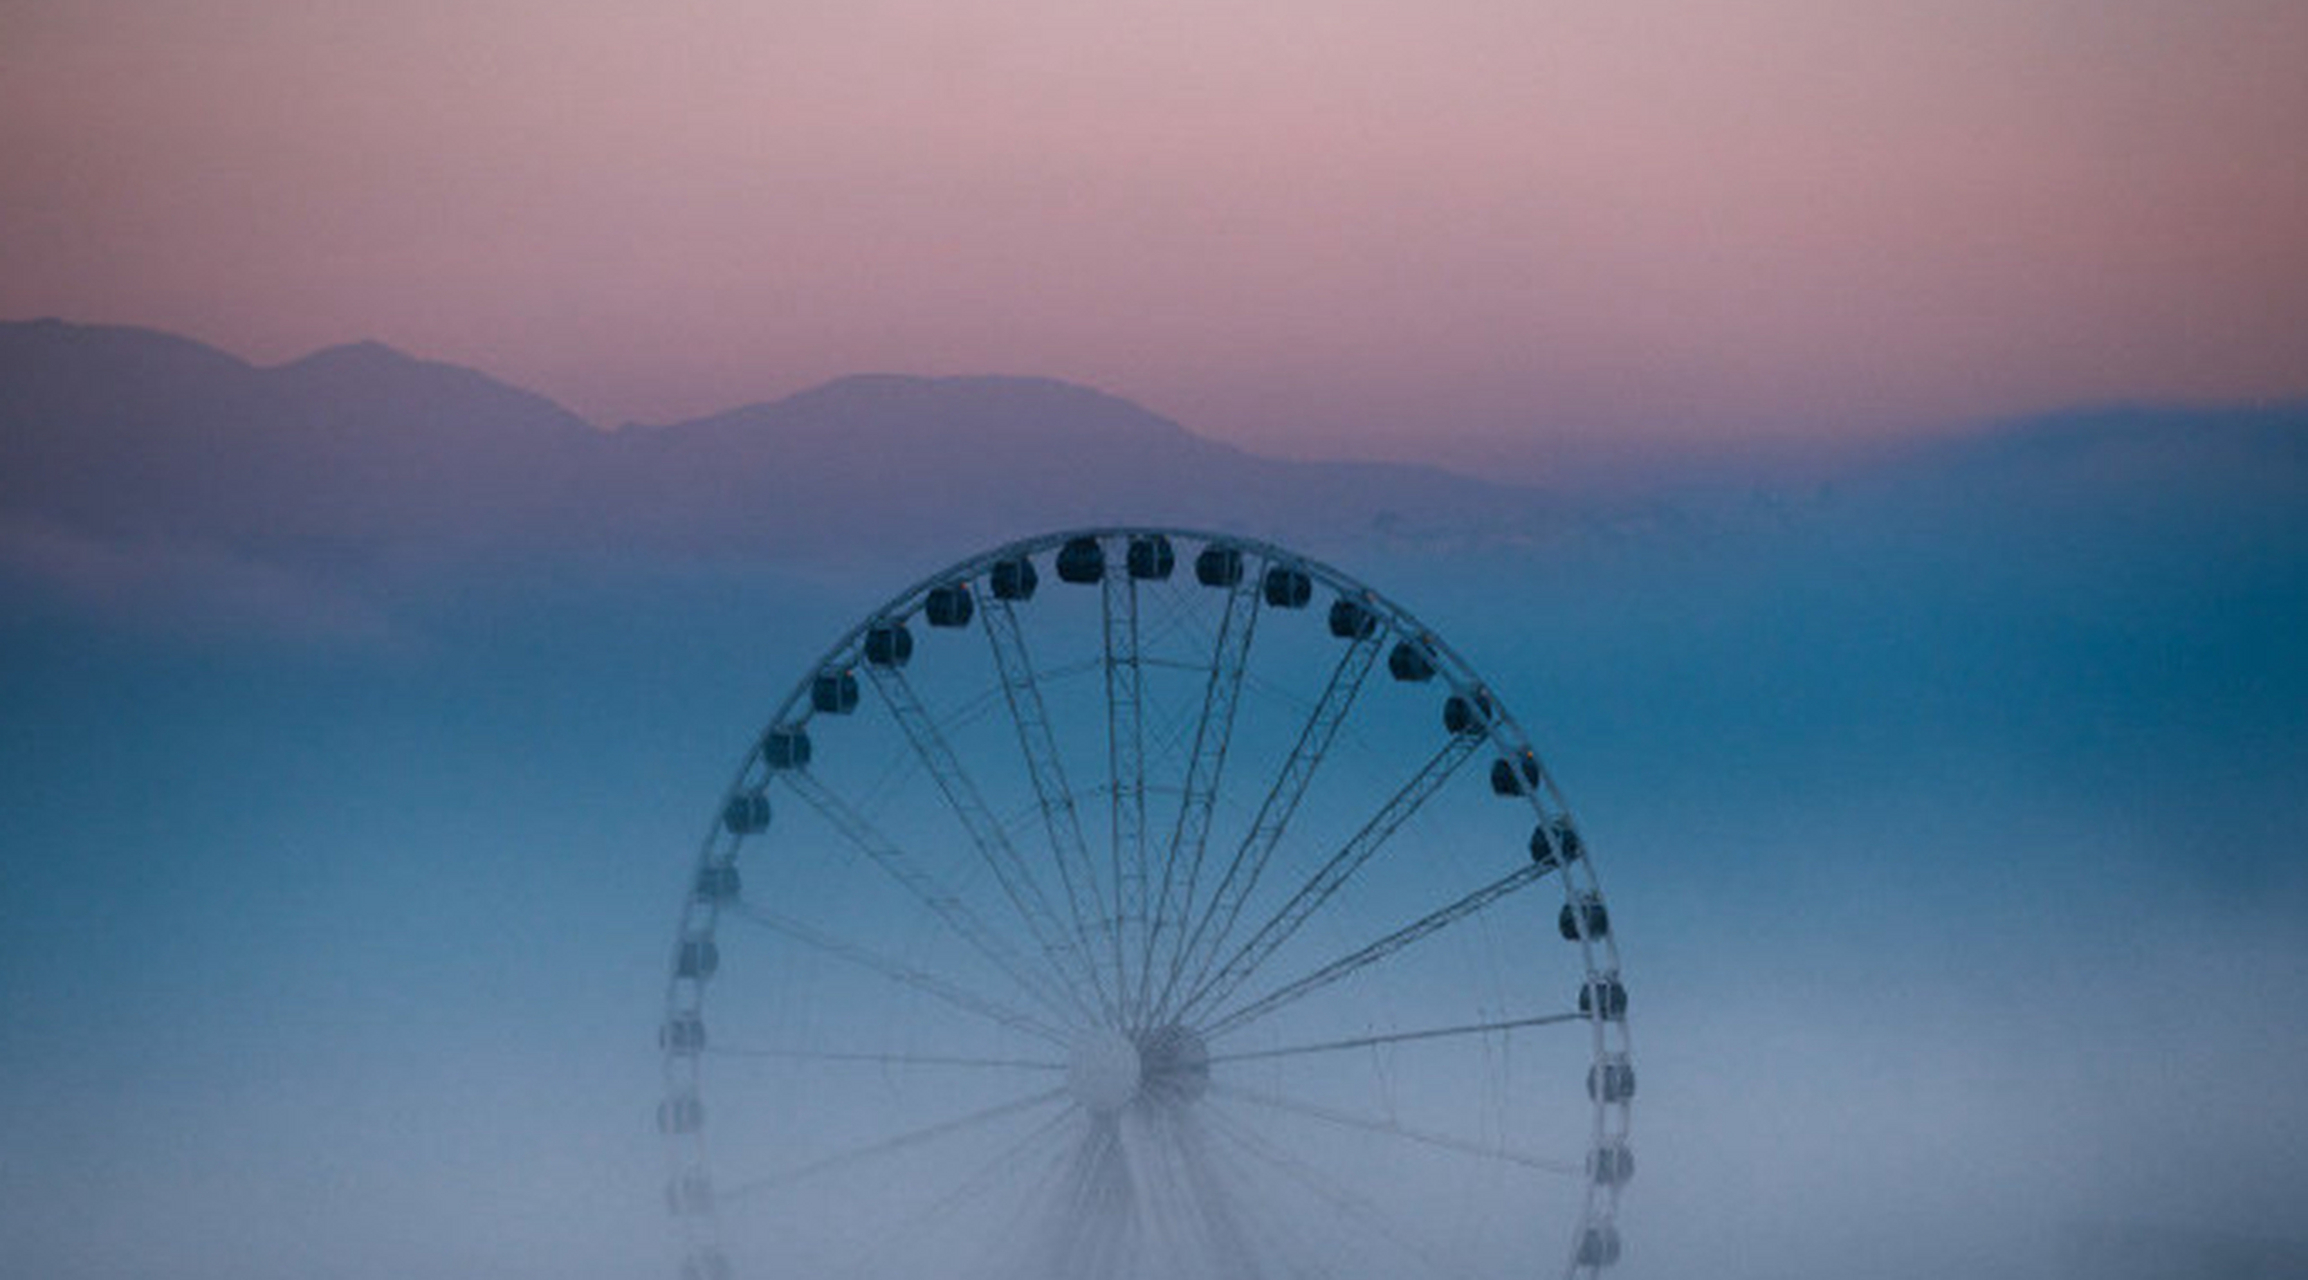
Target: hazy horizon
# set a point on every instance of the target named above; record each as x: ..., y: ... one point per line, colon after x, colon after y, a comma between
x: 1633, y: 466
x: 1380, y: 229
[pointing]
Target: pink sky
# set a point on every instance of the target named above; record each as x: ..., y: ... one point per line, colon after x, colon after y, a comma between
x: 1458, y: 229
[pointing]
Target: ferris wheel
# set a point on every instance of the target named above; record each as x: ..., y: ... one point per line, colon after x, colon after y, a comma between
x: 1144, y: 904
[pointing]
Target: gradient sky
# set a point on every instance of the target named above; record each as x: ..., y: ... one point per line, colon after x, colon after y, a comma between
x: 1472, y: 231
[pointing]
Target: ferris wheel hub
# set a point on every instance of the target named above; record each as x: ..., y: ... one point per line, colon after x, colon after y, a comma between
x: 1174, y: 1063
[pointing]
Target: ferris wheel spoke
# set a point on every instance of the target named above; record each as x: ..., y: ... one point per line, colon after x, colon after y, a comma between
x: 1061, y: 817
x: 1389, y: 1128
x: 885, y: 1059
x: 1433, y: 922
x: 891, y: 1146
x: 1125, y: 761
x: 1077, y: 1229
x: 1333, y: 875
x: 1402, y: 1037
x: 1213, y: 733
x: 1052, y: 1184
x: 1036, y: 1181
x: 1241, y: 878
x: 1145, y: 1160
x: 902, y: 974
x: 925, y: 889
x: 1216, y: 1208
x: 1361, y: 1211
x: 1286, y: 1253
x: 985, y: 831
x: 979, y: 1183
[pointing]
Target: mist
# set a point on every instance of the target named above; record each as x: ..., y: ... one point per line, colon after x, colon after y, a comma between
x: 1953, y: 863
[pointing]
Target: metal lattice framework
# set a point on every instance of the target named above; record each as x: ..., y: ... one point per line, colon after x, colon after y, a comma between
x: 1166, y: 932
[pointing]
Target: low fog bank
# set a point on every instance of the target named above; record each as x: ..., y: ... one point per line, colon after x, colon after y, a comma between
x: 1966, y: 913
x: 1957, y: 877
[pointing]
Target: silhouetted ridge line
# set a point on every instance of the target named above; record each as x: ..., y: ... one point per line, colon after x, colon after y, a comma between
x: 359, y: 452
x: 128, y: 433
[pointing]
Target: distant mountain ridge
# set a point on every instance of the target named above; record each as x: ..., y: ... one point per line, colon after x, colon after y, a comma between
x: 126, y: 432
x: 139, y: 434
x: 130, y: 448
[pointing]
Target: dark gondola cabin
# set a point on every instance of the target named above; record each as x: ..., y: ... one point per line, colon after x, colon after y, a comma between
x: 1410, y: 663
x: 1468, y: 715
x: 1288, y: 588
x: 1352, y: 619
x: 1603, y: 998
x: 1218, y: 566
x: 1612, y: 1080
x: 786, y: 747
x: 834, y: 693
x: 1081, y: 560
x: 1598, y: 1246
x: 1013, y: 579
x: 684, y: 1034
x: 1612, y: 1165
x: 1518, y: 777
x: 698, y: 959
x: 889, y: 644
x: 746, y: 814
x: 1555, y: 842
x: 1151, y: 558
x: 1586, y: 918
x: 950, y: 605
x: 717, y: 882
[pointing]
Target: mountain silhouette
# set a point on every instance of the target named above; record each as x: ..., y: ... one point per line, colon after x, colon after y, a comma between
x: 150, y: 464
x: 128, y: 433
x: 898, y: 462
x: 132, y: 433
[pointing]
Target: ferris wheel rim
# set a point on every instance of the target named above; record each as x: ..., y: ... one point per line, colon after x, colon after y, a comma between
x: 1500, y: 731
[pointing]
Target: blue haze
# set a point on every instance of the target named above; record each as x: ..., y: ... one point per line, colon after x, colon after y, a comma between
x: 1951, y: 815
